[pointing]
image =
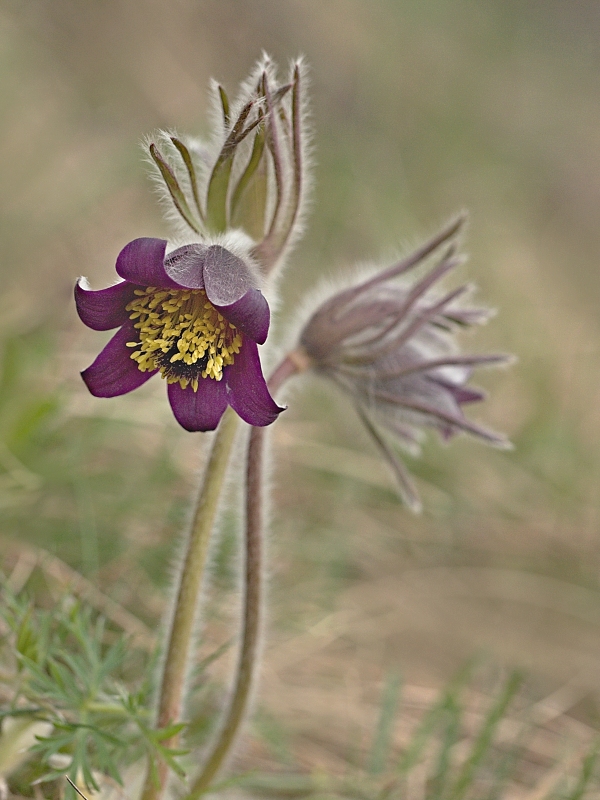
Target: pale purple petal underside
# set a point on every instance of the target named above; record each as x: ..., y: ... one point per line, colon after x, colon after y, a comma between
x: 248, y: 394
x: 201, y: 410
x: 230, y: 287
x: 104, y: 309
x: 185, y: 266
x: 226, y: 277
x: 228, y: 283
x: 114, y: 372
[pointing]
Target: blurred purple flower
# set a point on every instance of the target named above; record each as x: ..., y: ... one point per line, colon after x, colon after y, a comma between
x: 391, y: 347
x: 196, y: 317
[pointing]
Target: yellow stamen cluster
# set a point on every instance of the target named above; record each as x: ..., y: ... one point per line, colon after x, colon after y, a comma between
x: 181, y: 334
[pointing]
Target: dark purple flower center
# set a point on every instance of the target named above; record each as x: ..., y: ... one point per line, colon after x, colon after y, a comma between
x: 182, y: 335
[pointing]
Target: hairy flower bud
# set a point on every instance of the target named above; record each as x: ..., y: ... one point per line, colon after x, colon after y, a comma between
x: 391, y: 346
x: 251, y: 175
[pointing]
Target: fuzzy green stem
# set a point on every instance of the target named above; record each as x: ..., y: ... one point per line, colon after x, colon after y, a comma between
x: 181, y: 635
x: 253, y: 596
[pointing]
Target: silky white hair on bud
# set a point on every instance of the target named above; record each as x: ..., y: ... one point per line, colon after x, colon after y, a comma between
x: 388, y: 341
x: 203, y: 186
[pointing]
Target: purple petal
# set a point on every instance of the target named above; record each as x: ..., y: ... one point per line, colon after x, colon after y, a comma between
x: 407, y: 488
x: 104, y: 309
x: 114, y: 372
x: 142, y: 262
x: 250, y: 314
x: 248, y: 394
x: 201, y: 410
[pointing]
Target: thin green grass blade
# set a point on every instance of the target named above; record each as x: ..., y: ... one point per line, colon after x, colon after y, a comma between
x: 507, y: 765
x: 275, y: 738
x: 483, y: 741
x: 587, y: 772
x: 382, y: 739
x: 431, y: 720
x: 450, y: 736
x: 279, y: 785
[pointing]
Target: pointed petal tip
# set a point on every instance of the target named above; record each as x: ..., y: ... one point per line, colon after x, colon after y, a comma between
x: 497, y: 440
x: 456, y: 223
x: 103, y: 309
x: 247, y: 391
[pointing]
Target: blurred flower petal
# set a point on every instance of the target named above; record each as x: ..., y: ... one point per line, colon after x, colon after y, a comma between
x: 391, y: 345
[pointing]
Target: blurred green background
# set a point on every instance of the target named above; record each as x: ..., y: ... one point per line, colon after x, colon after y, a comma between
x: 420, y: 108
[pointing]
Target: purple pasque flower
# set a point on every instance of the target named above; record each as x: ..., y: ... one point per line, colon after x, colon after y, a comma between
x: 196, y: 317
x: 391, y: 346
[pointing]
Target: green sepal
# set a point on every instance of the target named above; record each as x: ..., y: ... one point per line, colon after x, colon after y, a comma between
x: 173, y: 186
x: 189, y: 165
x: 218, y: 185
x: 224, y: 104
x: 216, y: 198
x: 249, y: 199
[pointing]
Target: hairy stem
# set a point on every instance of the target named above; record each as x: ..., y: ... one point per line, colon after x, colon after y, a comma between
x: 181, y: 635
x: 253, y: 595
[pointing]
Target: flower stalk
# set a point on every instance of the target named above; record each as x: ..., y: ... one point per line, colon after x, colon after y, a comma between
x: 181, y: 637
x: 253, y: 589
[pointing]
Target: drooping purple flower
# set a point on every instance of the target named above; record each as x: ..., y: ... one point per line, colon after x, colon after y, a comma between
x: 196, y: 317
x: 391, y: 346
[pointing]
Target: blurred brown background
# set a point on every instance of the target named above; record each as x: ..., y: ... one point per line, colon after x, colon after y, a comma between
x: 420, y: 108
